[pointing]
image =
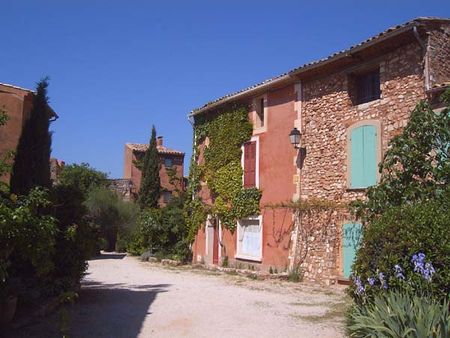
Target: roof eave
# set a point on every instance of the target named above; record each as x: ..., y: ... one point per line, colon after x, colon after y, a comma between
x: 241, y: 95
x: 295, y: 74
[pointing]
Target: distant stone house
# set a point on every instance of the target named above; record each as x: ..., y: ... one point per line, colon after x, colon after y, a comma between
x: 17, y: 103
x: 170, y: 173
x: 347, y: 107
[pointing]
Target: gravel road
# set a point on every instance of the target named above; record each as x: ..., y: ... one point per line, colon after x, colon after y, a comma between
x: 123, y: 297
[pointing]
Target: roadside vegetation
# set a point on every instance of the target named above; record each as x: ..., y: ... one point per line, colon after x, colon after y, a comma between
x: 48, y: 230
x: 158, y: 231
x: 401, y: 281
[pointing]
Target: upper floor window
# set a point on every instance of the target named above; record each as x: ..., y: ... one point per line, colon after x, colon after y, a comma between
x: 249, y: 164
x: 167, y: 196
x: 168, y: 162
x: 259, y: 118
x: 364, y: 154
x: 368, y: 86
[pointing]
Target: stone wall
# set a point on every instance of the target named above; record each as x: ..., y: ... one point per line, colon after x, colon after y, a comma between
x: 122, y: 187
x: 439, y: 55
x: 327, y: 113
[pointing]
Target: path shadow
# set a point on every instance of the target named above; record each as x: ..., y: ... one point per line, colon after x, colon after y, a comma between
x: 105, y: 310
x: 102, y: 310
x: 109, y: 256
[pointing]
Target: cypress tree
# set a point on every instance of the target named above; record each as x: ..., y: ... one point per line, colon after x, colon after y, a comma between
x: 150, y: 182
x: 31, y: 166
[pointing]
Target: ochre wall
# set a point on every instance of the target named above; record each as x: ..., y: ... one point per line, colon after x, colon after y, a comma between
x: 17, y: 104
x: 133, y: 173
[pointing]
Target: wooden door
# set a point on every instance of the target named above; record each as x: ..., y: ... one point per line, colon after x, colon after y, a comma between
x: 216, y: 245
x: 351, y: 236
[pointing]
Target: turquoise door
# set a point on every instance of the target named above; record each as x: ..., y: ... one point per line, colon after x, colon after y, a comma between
x: 351, y: 233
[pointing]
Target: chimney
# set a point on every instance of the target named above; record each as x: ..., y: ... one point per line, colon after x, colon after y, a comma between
x: 159, y: 141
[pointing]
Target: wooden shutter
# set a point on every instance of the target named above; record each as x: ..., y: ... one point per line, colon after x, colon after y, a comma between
x: 363, y: 157
x: 249, y: 164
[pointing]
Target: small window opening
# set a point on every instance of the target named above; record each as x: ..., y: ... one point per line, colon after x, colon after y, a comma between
x: 260, y: 112
x: 368, y: 87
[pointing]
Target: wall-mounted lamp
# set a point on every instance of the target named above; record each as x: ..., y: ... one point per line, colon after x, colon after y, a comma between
x: 294, y: 137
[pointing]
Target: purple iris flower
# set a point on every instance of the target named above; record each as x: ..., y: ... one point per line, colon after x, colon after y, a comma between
x: 399, y: 272
x: 360, y: 289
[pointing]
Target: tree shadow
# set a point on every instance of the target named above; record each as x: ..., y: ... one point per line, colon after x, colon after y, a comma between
x: 102, y: 310
x: 109, y: 256
x: 112, y: 310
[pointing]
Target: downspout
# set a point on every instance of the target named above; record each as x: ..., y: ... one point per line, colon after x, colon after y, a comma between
x: 194, y: 148
x: 426, y: 72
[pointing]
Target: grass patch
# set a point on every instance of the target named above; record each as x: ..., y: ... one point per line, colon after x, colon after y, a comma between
x: 309, y: 304
x: 335, y: 311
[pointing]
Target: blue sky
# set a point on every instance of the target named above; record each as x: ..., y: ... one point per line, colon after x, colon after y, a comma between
x: 117, y: 67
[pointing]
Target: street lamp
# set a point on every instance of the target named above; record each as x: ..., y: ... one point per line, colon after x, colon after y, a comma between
x: 295, y: 136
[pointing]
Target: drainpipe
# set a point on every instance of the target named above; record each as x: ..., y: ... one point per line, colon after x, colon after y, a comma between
x: 194, y: 150
x: 424, y: 46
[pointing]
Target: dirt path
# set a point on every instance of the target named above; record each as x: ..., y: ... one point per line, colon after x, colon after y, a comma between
x: 122, y: 297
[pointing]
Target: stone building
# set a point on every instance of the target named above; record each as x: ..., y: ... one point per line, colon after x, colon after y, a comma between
x: 347, y: 107
x: 17, y: 103
x: 56, y: 167
x: 170, y: 173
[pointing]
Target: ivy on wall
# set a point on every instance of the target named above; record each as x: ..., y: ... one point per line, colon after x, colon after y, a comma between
x: 226, y: 132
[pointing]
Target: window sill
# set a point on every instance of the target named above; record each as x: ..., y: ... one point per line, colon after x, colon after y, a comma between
x: 357, y: 189
x: 248, y: 258
x: 259, y: 130
x: 366, y: 105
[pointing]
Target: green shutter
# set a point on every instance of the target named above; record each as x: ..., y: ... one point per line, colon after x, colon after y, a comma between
x: 363, y: 157
x: 351, y: 236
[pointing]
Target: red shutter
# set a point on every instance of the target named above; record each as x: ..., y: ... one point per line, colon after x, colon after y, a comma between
x: 249, y: 164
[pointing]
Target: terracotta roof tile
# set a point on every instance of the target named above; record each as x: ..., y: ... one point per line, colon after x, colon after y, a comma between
x: 161, y: 149
x: 309, y: 65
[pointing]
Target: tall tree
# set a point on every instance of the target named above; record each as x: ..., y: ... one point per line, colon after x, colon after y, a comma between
x: 31, y: 166
x: 150, y: 182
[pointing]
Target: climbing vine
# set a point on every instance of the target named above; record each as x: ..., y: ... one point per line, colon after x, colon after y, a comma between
x: 223, y: 134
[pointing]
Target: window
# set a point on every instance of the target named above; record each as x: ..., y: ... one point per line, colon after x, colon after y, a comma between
x: 364, y: 145
x: 250, y: 164
x: 368, y: 87
x: 249, y: 239
x: 168, y: 162
x: 259, y: 117
x: 167, y: 196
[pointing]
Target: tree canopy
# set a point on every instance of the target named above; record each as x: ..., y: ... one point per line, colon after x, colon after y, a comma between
x: 150, y: 183
x: 31, y: 166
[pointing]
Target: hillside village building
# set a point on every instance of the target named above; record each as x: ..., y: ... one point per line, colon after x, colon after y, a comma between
x: 170, y: 173
x: 347, y: 108
x: 17, y: 103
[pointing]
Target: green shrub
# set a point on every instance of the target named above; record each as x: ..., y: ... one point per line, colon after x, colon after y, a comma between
x: 295, y: 275
x: 76, y: 239
x: 82, y: 176
x: 27, y: 237
x: 397, y: 314
x: 399, y: 234
x: 163, y: 232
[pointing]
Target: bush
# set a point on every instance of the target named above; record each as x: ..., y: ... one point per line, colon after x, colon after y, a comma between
x: 162, y: 232
x: 397, y: 314
x: 76, y: 240
x: 82, y: 176
x: 394, y: 238
x: 115, y: 217
x: 26, y: 237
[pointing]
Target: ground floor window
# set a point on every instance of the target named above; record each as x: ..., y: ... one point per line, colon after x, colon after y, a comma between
x: 249, y: 239
x: 351, y: 238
